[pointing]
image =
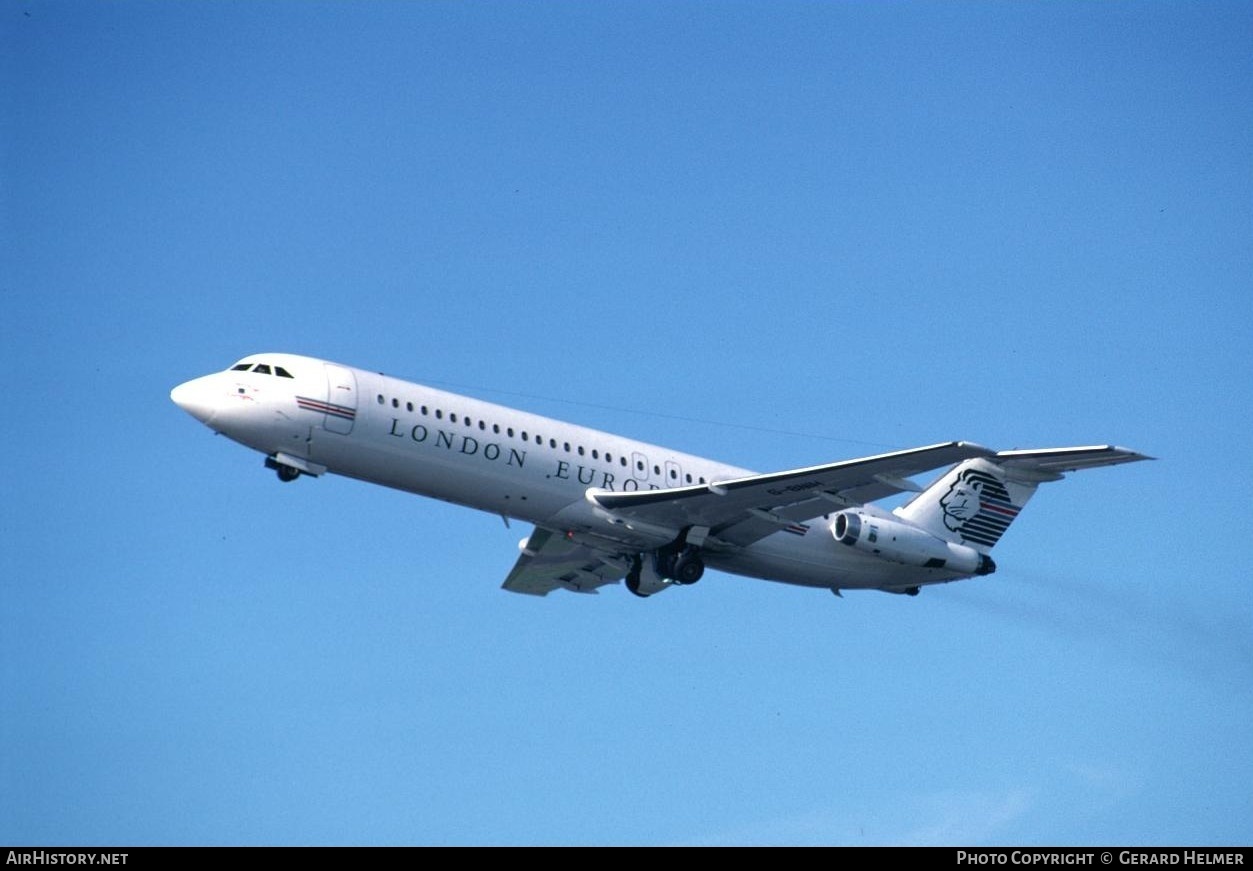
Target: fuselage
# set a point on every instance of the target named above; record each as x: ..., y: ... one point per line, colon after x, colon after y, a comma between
x: 315, y: 416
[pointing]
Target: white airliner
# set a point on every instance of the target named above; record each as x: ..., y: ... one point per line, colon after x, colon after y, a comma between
x: 607, y: 507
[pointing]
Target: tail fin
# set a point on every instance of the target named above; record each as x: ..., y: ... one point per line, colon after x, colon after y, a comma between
x: 974, y: 502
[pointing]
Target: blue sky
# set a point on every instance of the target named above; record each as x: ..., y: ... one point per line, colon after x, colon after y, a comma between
x: 772, y: 233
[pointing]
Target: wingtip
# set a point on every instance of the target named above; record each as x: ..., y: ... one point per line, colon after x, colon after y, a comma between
x: 1132, y: 456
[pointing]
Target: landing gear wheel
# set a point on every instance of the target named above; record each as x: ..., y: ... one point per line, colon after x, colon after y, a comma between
x: 286, y: 473
x: 633, y: 584
x: 633, y: 579
x: 689, y: 569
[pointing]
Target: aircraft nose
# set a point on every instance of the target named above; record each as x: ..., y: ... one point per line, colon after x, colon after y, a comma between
x: 196, y: 397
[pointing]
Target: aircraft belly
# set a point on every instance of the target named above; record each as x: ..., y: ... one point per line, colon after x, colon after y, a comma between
x: 782, y: 557
x: 817, y: 560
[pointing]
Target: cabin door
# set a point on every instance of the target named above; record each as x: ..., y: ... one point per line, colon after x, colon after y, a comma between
x: 341, y: 399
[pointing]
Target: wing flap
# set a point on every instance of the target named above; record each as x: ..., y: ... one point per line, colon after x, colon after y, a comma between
x: 550, y: 561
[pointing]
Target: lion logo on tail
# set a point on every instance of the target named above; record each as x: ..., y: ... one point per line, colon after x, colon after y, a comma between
x: 977, y: 507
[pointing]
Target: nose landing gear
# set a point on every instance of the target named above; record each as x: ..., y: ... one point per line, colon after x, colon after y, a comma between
x: 284, y: 471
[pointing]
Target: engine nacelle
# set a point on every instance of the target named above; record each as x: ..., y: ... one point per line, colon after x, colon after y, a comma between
x: 902, y: 543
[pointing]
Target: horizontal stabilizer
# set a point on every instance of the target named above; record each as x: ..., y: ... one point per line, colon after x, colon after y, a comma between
x: 1049, y: 464
x: 975, y: 502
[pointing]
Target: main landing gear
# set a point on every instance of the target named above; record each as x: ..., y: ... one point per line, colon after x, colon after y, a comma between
x: 678, y: 564
x: 635, y: 580
x: 685, y: 567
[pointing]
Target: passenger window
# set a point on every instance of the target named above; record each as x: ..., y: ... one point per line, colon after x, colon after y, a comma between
x: 423, y: 410
x: 282, y: 373
x: 622, y: 460
x: 595, y: 454
x: 656, y: 470
x: 552, y: 443
x: 482, y: 426
x: 452, y: 417
x: 262, y: 369
x: 380, y: 399
x: 688, y: 476
x: 523, y: 435
x: 673, y: 474
x: 639, y: 464
x: 409, y: 406
x: 496, y: 428
x: 509, y: 432
x: 608, y: 457
x: 439, y: 414
x: 580, y: 450
x: 395, y: 402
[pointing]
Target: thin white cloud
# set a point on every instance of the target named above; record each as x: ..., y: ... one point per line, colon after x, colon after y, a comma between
x: 948, y: 817
x: 963, y: 817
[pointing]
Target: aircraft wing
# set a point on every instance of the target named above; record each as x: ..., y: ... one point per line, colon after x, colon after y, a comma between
x: 550, y: 561
x: 743, y: 510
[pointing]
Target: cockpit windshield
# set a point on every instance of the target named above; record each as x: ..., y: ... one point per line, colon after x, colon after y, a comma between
x: 262, y: 369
